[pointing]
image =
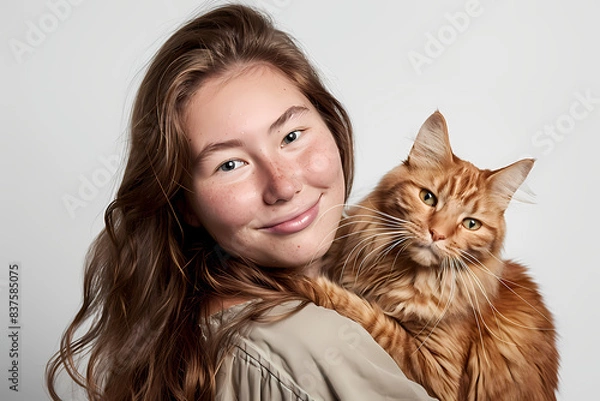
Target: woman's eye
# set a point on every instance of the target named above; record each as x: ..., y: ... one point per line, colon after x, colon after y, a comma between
x: 428, y: 197
x: 291, y: 137
x: 231, y: 165
x: 471, y: 224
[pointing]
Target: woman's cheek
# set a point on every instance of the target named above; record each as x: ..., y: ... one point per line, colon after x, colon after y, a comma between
x: 226, y: 207
x: 324, y: 164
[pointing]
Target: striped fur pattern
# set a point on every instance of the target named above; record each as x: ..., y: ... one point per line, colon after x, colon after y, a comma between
x: 421, y: 258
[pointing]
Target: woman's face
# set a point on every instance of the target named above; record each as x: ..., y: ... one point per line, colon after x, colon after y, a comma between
x: 267, y: 176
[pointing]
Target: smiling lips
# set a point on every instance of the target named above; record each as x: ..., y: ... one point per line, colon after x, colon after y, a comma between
x: 296, y: 223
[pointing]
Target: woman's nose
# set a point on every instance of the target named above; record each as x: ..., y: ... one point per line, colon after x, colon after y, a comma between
x: 281, y: 183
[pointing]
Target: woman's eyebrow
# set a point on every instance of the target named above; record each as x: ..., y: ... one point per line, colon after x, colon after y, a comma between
x: 216, y: 146
x: 287, y: 115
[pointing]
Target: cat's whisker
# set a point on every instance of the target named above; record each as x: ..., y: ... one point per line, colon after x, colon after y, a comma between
x: 391, y: 246
x: 394, y: 246
x: 380, y: 214
x: 444, y: 268
x: 475, y: 309
x: 469, y: 291
x: 367, y: 230
x: 474, y: 279
x: 503, y: 282
x: 512, y: 282
x: 343, y: 237
x: 358, y: 227
x: 364, y: 231
x: 356, y: 252
x: 332, y: 231
x: 369, y: 226
x: 374, y: 220
x: 371, y: 235
x: 386, y: 222
x: 400, y: 245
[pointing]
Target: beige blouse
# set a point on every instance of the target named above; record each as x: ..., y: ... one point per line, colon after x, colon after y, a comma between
x: 314, y: 354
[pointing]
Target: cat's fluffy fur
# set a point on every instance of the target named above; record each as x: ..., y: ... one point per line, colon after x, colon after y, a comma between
x: 423, y: 252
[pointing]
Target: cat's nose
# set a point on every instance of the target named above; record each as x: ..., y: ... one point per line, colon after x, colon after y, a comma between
x: 436, y: 236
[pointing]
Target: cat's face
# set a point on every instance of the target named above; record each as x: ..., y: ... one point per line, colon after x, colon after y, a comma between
x: 447, y: 214
x: 452, y: 212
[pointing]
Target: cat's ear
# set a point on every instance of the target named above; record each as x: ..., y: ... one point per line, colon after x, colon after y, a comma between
x: 432, y: 145
x: 505, y: 181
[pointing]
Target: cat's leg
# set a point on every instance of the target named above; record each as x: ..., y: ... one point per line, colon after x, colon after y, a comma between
x: 412, y: 355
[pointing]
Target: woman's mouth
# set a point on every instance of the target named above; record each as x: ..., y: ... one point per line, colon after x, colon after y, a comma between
x: 296, y: 223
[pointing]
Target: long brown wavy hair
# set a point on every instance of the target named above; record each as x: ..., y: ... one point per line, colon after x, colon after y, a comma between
x: 148, y: 274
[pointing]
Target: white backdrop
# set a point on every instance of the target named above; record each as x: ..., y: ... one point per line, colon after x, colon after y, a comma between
x: 512, y: 78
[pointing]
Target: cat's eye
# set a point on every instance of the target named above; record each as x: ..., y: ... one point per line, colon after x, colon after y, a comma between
x: 428, y: 197
x: 471, y: 224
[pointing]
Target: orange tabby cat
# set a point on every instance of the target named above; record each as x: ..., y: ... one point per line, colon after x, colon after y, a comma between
x: 423, y: 252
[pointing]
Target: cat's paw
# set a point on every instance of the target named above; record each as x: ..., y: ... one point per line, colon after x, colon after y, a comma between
x: 346, y: 303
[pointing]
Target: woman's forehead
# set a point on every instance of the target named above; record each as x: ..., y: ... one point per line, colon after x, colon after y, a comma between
x: 251, y: 100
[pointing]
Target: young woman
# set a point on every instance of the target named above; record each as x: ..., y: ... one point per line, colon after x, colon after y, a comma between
x: 240, y: 161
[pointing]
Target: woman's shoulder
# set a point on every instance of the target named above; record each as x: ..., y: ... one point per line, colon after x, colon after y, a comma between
x: 273, y: 359
x: 247, y: 374
x: 292, y: 328
x: 310, y: 329
x: 315, y: 352
x: 294, y: 319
